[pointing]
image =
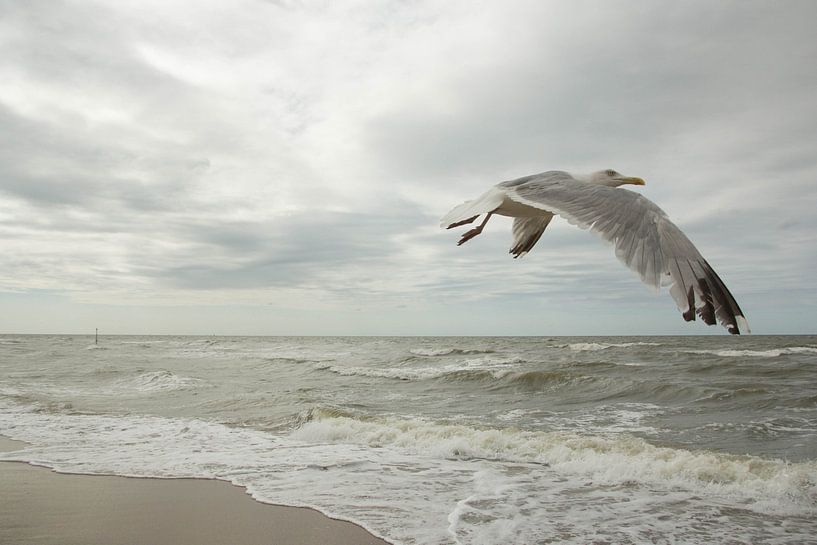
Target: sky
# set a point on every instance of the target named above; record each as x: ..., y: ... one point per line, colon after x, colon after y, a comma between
x: 279, y: 168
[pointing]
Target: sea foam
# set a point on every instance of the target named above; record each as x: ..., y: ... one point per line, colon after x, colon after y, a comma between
x: 434, y: 352
x: 772, y: 353
x: 491, y: 366
x: 594, y: 346
x: 443, y: 482
x: 611, y: 460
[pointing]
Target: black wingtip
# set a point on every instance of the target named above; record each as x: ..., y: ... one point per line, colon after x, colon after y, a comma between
x: 689, y: 314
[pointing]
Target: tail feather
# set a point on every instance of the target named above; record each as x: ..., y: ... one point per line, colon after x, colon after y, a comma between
x: 469, y: 210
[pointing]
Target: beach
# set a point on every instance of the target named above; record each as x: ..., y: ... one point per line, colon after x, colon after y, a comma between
x: 39, y: 506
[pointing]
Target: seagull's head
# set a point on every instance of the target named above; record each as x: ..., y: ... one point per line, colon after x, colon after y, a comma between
x: 612, y: 178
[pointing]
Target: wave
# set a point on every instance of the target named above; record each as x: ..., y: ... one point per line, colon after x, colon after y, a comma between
x: 497, y: 379
x: 434, y: 352
x: 735, y: 394
x: 104, y: 385
x: 494, y: 376
x: 487, y: 367
x: 772, y: 353
x: 417, y: 373
x: 143, y: 344
x: 397, y: 373
x: 619, y: 459
x: 16, y: 394
x: 537, y: 380
x: 775, y: 427
x: 158, y: 381
x: 772, y: 427
x: 285, y: 359
x: 592, y: 347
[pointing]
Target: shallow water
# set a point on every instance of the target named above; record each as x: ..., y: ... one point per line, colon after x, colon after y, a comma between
x: 447, y: 440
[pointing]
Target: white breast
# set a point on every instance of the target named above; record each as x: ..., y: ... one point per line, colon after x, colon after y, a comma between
x: 516, y: 209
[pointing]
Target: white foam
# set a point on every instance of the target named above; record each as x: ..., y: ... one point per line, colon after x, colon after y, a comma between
x: 431, y: 352
x: 772, y: 353
x: 592, y: 347
x: 602, y: 420
x: 409, y: 373
x: 497, y: 367
x: 399, y: 373
x: 434, y: 352
x: 614, y: 459
x: 610, y: 419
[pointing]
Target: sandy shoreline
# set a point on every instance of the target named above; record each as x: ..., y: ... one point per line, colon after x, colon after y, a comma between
x: 39, y: 506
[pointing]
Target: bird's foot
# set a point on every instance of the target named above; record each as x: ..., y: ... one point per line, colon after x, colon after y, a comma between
x: 469, y: 235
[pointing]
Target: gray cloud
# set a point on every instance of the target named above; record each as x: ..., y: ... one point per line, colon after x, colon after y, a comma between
x: 624, y: 90
x: 285, y: 153
x: 286, y: 251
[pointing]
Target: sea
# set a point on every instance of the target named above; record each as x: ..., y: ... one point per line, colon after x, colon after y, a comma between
x: 449, y: 440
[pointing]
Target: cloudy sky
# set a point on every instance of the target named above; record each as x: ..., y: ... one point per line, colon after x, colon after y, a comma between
x: 263, y: 167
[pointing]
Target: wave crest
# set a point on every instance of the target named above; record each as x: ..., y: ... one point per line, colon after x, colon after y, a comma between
x: 771, y: 353
x: 434, y: 352
x: 593, y: 347
x: 615, y: 460
x: 475, y: 368
x: 158, y: 381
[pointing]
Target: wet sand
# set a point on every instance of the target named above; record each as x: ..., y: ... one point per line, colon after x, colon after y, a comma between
x: 39, y: 506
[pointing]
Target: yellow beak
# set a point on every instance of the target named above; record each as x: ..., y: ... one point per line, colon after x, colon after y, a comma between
x: 633, y: 180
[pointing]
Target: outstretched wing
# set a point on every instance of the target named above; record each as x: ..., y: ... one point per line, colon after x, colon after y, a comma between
x: 644, y: 238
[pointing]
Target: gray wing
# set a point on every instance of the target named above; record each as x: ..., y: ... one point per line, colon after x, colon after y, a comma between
x: 527, y: 231
x: 644, y: 238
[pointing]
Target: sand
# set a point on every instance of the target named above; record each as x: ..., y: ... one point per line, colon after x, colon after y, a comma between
x: 39, y: 506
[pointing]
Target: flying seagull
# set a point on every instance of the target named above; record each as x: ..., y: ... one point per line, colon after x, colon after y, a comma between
x: 644, y: 238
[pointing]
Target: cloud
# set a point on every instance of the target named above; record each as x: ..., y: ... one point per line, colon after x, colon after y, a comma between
x: 300, y: 153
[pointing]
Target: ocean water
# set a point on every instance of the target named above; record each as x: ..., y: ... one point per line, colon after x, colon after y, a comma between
x: 621, y: 440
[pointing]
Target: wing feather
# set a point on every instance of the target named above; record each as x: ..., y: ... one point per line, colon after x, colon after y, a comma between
x: 644, y: 239
x: 527, y: 231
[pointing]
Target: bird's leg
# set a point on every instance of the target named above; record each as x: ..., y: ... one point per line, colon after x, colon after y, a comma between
x: 476, y: 230
x: 463, y: 222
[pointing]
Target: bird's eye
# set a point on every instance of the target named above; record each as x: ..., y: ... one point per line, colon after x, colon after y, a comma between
x: 611, y: 172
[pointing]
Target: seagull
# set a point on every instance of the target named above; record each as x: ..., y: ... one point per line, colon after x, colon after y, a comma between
x: 644, y: 237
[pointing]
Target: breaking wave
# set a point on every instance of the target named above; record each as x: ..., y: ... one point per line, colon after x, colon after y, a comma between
x: 772, y: 353
x: 433, y: 352
x: 493, y: 370
x: 592, y: 347
x: 619, y: 459
x: 158, y: 381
